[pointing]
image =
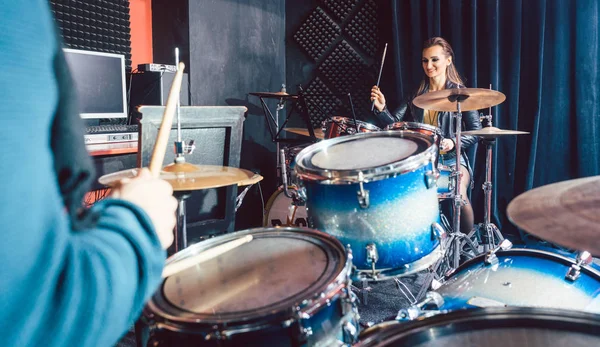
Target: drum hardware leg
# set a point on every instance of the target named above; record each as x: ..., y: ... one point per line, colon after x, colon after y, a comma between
x: 372, y: 258
x: 416, y: 310
x: 363, y: 290
x: 491, y: 258
x: 405, y: 291
x: 583, y: 258
x: 453, y: 250
x: 240, y: 198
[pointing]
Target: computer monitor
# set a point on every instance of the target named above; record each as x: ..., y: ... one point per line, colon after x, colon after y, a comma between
x: 100, y: 83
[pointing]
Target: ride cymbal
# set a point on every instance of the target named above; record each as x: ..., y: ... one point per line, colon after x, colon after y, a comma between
x: 492, y: 132
x: 275, y: 95
x: 470, y: 99
x: 303, y: 131
x: 186, y: 176
x: 566, y: 213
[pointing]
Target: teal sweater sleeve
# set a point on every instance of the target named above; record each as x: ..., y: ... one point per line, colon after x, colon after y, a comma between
x: 58, y: 287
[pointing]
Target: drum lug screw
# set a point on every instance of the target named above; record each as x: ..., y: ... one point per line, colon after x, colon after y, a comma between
x: 431, y: 178
x: 583, y: 258
x: 437, y: 231
x: 362, y: 193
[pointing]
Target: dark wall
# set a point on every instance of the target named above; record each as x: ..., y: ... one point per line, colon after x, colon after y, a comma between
x: 335, y: 47
x: 235, y: 47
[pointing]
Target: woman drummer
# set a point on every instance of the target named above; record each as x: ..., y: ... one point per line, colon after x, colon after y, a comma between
x: 440, y: 74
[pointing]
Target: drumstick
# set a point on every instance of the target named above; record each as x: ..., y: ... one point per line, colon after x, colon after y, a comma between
x: 379, y: 78
x: 160, y: 148
x: 187, y: 263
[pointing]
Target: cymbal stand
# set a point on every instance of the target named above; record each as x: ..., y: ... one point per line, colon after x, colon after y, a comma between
x: 490, y: 229
x: 456, y: 239
x: 181, y: 226
x: 181, y: 148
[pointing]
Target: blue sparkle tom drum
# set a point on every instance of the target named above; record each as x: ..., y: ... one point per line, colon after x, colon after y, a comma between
x: 375, y: 192
x: 521, y: 277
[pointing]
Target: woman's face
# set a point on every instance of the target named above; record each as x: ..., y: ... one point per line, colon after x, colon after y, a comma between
x: 435, y: 62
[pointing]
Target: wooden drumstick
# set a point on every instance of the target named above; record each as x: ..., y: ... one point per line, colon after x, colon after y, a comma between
x: 380, y: 71
x: 160, y: 148
x: 187, y: 263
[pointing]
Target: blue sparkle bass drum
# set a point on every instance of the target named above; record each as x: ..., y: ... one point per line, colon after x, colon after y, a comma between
x: 522, y: 277
x: 377, y: 193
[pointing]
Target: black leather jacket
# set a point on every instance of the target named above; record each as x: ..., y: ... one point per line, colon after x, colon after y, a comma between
x: 408, y: 112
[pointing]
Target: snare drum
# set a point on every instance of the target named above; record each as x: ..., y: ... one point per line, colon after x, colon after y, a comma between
x: 430, y: 130
x: 375, y: 192
x: 521, y: 277
x: 491, y: 327
x: 281, y: 211
x: 337, y: 126
x: 287, y: 287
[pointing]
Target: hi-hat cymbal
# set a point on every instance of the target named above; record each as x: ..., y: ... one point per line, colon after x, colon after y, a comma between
x: 470, y: 99
x: 303, y: 131
x: 186, y: 176
x: 492, y: 132
x: 566, y: 213
x: 275, y: 95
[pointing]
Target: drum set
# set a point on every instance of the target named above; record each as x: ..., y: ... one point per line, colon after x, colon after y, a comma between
x: 368, y: 204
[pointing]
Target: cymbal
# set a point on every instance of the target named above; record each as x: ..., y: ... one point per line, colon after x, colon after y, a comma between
x: 186, y: 176
x: 445, y: 100
x: 492, y: 132
x: 566, y: 213
x: 275, y: 95
x: 303, y: 131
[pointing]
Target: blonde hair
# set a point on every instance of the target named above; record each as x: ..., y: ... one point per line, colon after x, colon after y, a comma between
x: 452, y: 74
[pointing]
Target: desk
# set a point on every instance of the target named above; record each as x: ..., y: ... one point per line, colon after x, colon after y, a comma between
x: 115, y: 148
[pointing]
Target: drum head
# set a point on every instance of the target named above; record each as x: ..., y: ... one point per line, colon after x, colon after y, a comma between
x: 497, y: 327
x: 280, y: 209
x: 344, y: 156
x: 276, y: 271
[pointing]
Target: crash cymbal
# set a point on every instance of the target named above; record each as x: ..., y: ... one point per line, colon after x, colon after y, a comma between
x: 184, y: 177
x: 471, y: 99
x: 275, y: 95
x: 303, y: 131
x: 566, y: 213
x: 492, y: 132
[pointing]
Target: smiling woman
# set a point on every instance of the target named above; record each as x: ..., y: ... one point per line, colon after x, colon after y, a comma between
x: 440, y: 73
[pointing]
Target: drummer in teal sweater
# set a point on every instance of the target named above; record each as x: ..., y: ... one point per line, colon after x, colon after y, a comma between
x: 65, y: 281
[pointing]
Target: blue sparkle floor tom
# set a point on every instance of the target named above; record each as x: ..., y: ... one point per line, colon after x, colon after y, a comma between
x: 521, y: 277
x: 375, y: 192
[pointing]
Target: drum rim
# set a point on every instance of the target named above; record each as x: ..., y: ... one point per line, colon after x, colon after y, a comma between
x: 415, y: 125
x: 588, y: 270
x: 329, y: 176
x: 235, y: 322
x: 368, y: 126
x: 455, y: 321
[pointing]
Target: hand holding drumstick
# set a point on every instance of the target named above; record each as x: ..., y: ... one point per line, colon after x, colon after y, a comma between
x: 153, y: 195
